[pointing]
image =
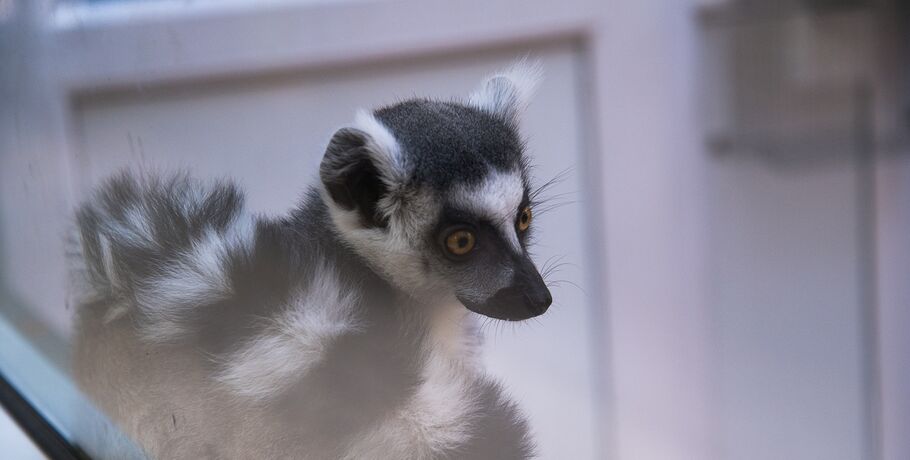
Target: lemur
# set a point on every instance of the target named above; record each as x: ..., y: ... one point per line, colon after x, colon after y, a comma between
x: 340, y: 331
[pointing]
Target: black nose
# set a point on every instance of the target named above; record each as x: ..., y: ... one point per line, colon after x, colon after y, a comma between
x: 525, y: 298
x: 534, y: 289
x: 538, y: 298
x: 517, y: 302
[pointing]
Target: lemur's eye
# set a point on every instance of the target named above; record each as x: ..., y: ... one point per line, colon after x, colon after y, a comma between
x: 460, y: 242
x: 524, y: 219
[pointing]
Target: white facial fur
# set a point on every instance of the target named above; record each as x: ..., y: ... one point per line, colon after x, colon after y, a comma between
x: 388, y: 158
x: 496, y: 198
x: 391, y: 251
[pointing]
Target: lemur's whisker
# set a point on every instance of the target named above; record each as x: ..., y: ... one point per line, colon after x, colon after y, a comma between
x: 550, y: 260
x: 552, y: 265
x: 555, y: 259
x: 557, y: 179
x: 556, y: 268
x: 553, y: 206
x: 545, y: 199
x: 538, y: 207
x: 558, y: 283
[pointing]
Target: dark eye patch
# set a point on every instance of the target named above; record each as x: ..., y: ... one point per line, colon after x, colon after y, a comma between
x: 487, y: 237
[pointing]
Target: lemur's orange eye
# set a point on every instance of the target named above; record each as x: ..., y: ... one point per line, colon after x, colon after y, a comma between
x: 524, y: 219
x: 460, y: 242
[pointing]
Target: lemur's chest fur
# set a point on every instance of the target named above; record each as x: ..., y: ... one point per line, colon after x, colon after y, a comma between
x: 332, y: 377
x: 392, y: 379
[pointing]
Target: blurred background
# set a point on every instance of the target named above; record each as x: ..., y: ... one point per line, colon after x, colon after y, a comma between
x: 736, y: 218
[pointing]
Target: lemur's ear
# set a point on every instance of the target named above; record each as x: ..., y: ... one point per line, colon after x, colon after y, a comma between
x: 507, y: 93
x: 360, y: 166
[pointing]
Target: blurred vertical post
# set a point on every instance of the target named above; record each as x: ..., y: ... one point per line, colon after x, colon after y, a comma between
x: 892, y: 226
x: 864, y: 160
x: 653, y: 170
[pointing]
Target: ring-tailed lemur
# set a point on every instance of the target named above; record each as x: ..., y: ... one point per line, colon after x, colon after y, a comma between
x: 339, y: 331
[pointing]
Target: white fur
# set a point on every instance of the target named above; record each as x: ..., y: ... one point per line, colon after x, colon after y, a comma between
x: 384, y: 146
x: 293, y: 343
x: 115, y: 312
x: 390, y: 251
x: 438, y: 417
x: 81, y: 288
x: 448, y: 326
x: 198, y: 277
x: 135, y: 231
x: 107, y: 263
x: 507, y: 93
x: 138, y: 229
x: 497, y: 198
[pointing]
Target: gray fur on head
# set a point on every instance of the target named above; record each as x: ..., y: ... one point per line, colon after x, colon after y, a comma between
x: 339, y: 331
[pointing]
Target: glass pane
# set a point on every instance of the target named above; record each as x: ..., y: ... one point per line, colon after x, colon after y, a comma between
x: 96, y: 331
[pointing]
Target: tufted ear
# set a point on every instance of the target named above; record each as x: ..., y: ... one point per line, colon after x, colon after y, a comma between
x: 507, y: 93
x: 361, y: 164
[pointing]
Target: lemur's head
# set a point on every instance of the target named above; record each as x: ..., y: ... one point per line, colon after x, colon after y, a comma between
x: 435, y: 196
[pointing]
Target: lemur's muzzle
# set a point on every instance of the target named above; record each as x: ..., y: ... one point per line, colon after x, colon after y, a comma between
x: 525, y: 298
